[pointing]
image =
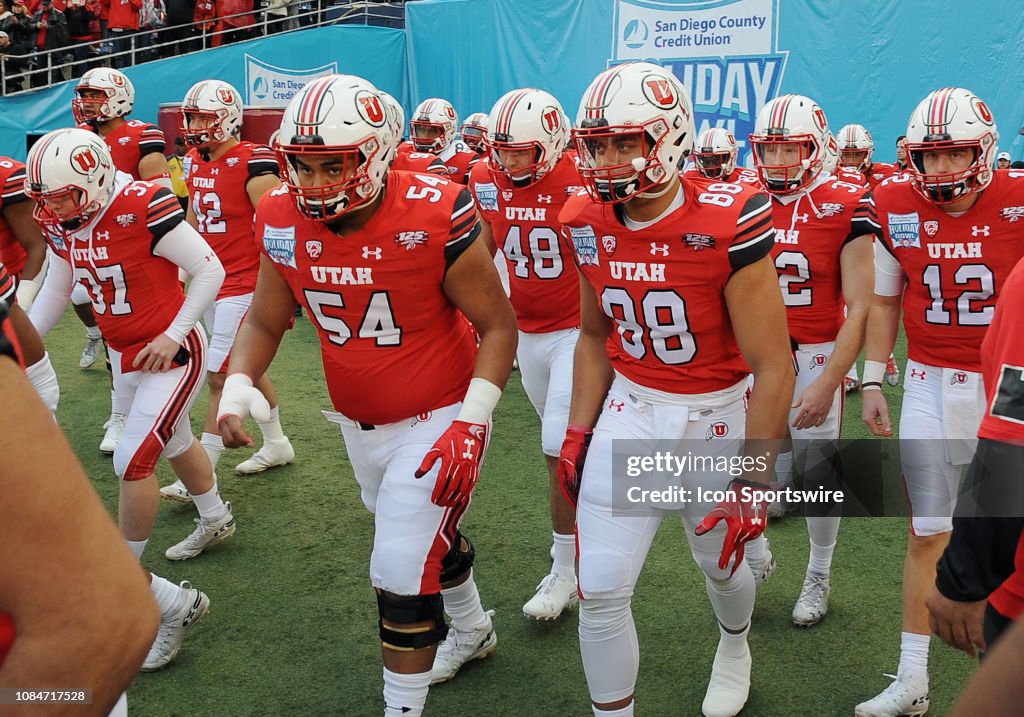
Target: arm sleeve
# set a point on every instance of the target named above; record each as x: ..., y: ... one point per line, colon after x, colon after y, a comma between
x: 53, y: 298
x: 864, y: 219
x: 13, y: 190
x: 889, y: 279
x: 465, y: 228
x: 184, y: 247
x: 755, y: 234
x: 262, y: 161
x: 151, y: 140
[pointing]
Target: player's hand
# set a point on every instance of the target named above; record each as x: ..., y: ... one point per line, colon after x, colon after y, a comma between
x: 813, y: 404
x: 744, y: 521
x: 959, y: 624
x: 570, y: 461
x: 875, y: 413
x: 460, y: 450
x: 239, y: 400
x: 157, y: 355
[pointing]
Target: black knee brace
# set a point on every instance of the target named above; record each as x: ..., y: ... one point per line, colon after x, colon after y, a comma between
x: 457, y: 563
x: 402, y: 612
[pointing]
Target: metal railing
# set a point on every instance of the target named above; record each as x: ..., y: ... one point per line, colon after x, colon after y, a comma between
x: 148, y: 45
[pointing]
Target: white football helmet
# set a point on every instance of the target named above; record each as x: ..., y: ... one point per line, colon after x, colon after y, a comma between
x: 396, y: 118
x: 948, y: 119
x: 434, y: 125
x: 117, y: 100
x: 472, y: 132
x: 531, y: 120
x: 630, y: 103
x: 791, y: 143
x: 345, y: 118
x: 68, y: 164
x: 855, y: 147
x: 211, y: 114
x: 715, y: 153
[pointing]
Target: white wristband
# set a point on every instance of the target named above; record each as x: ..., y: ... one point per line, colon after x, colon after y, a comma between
x: 874, y: 372
x: 478, y: 405
x: 237, y: 380
x: 26, y: 293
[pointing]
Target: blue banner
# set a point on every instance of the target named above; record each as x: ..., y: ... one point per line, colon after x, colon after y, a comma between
x: 267, y: 72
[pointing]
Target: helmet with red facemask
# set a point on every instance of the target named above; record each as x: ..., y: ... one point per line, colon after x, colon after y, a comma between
x: 526, y: 120
x: 211, y: 114
x: 715, y: 153
x: 434, y: 125
x: 343, y: 118
x: 116, y: 96
x: 635, y: 104
x: 855, y: 147
x: 473, y: 130
x: 950, y: 120
x: 792, y: 143
x: 73, y: 168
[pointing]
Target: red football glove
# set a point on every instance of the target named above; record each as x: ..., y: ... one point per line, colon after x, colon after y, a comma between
x: 570, y: 461
x: 744, y: 520
x: 460, y: 449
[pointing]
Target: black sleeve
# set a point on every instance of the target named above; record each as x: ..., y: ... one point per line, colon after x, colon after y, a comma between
x: 164, y: 213
x: 987, y: 525
x: 755, y: 233
x: 465, y: 228
x: 865, y: 220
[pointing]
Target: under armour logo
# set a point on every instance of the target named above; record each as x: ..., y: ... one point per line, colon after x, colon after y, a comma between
x: 802, y: 218
x: 659, y: 249
x: 470, y: 445
x: 544, y: 198
x: 215, y: 171
x: 980, y: 231
x: 914, y: 373
x: 368, y: 252
x: 616, y: 405
x: 102, y: 236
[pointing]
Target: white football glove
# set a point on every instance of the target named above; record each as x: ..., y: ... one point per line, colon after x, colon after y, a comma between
x: 240, y: 398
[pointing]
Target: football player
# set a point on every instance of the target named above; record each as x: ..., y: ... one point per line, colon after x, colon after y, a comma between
x: 389, y: 269
x: 126, y: 241
x: 22, y: 248
x: 856, y: 145
x: 433, y: 129
x: 519, y: 189
x: 714, y: 157
x: 473, y: 132
x: 822, y: 254
x: 410, y: 160
x: 226, y: 178
x: 679, y: 301
x: 103, y: 100
x: 947, y: 245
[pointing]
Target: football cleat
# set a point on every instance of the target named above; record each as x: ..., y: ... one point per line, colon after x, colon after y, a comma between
x: 173, y: 628
x: 555, y: 594
x: 729, y: 686
x: 115, y: 429
x: 462, y: 647
x: 271, y: 455
x: 850, y: 385
x: 177, y: 492
x: 812, y: 605
x: 892, y: 371
x: 88, y: 357
x: 905, y: 697
x: 206, y: 534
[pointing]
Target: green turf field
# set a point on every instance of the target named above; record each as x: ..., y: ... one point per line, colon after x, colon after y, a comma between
x: 292, y: 625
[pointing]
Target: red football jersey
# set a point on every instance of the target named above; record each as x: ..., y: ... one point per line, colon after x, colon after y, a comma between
x: 1002, y: 365
x: 7, y: 286
x: 850, y: 175
x: 810, y: 233
x: 419, y: 162
x: 543, y: 282
x: 955, y: 266
x: 878, y: 172
x: 12, y: 191
x: 663, y: 285
x: 224, y: 213
x: 130, y: 142
x: 460, y: 160
x: 393, y: 345
x: 135, y: 294
x: 742, y: 175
